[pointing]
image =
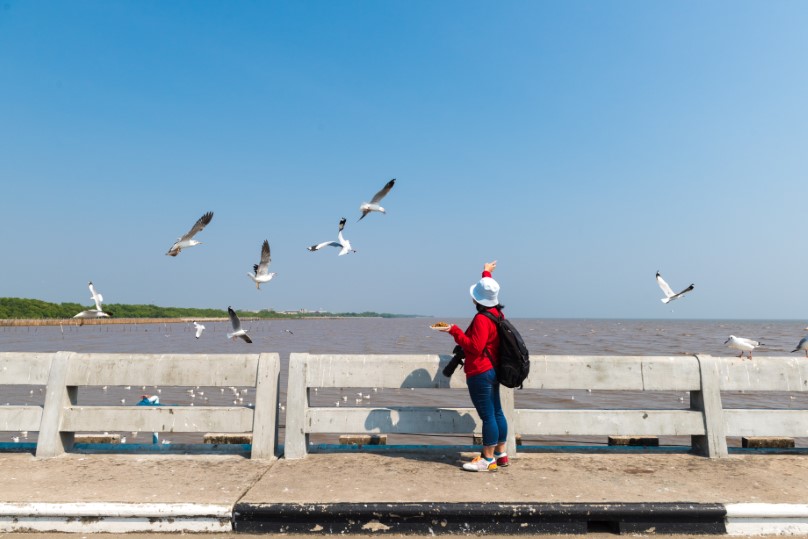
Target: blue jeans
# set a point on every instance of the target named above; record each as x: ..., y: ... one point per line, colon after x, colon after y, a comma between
x: 484, y: 392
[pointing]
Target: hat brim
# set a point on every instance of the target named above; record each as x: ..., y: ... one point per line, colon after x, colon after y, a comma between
x: 485, y: 302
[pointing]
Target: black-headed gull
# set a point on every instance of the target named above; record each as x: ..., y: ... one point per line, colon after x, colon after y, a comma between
x: 95, y: 296
x: 262, y: 273
x: 670, y: 295
x: 742, y: 344
x: 199, y: 329
x: 187, y: 240
x: 236, y: 323
x: 342, y: 243
x: 803, y: 345
x: 98, y: 312
x: 373, y: 205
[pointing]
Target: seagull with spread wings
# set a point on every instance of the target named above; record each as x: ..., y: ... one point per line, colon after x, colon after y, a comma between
x: 670, y: 295
x: 262, y: 273
x: 342, y: 243
x: 199, y: 329
x: 373, y: 205
x: 187, y: 240
x: 98, y: 312
x: 236, y: 323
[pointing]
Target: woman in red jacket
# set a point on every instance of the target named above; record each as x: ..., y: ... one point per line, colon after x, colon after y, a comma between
x: 480, y: 342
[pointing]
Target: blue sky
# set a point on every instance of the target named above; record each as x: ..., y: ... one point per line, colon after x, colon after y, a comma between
x: 583, y: 144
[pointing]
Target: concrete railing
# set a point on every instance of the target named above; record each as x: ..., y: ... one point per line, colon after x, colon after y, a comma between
x: 704, y: 377
x: 64, y: 372
x: 706, y: 422
x: 23, y: 368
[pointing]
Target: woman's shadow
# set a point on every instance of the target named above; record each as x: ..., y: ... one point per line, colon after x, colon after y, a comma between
x: 433, y: 420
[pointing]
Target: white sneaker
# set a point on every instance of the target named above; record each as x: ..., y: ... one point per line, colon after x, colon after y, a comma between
x: 479, y: 464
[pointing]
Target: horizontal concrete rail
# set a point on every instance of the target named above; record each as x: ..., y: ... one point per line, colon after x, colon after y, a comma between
x: 158, y: 418
x: 609, y: 422
x: 27, y: 368
x: 23, y: 368
x: 614, y: 373
x: 786, y: 373
x: 62, y: 417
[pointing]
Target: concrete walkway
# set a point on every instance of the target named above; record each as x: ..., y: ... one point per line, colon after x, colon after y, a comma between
x: 406, y: 492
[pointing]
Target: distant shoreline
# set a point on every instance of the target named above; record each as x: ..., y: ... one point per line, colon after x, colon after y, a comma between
x: 33, y: 322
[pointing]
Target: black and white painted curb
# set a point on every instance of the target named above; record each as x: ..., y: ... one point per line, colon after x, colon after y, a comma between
x: 479, y: 518
x: 409, y: 518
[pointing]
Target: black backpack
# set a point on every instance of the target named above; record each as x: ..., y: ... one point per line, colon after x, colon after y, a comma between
x: 514, y: 359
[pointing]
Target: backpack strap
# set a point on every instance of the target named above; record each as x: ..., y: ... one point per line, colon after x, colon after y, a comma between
x: 496, y: 321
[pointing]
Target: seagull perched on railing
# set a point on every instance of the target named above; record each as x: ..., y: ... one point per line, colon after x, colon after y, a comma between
x: 670, y: 295
x: 187, y: 240
x: 236, y: 323
x: 262, y: 274
x: 742, y: 344
x: 345, y: 245
x: 373, y: 205
x: 803, y: 345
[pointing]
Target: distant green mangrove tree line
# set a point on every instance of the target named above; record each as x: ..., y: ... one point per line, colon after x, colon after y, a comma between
x: 33, y: 309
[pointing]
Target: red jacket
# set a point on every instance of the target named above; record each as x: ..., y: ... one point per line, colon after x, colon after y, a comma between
x: 480, y: 335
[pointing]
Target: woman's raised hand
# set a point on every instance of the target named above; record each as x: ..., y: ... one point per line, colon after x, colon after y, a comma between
x: 490, y: 266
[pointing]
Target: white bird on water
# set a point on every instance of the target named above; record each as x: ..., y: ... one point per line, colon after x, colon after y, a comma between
x: 341, y: 242
x: 742, y: 344
x: 237, y: 331
x: 98, y: 312
x: 373, y: 205
x: 199, y: 329
x: 670, y: 295
x: 187, y: 240
x: 803, y: 345
x: 262, y: 273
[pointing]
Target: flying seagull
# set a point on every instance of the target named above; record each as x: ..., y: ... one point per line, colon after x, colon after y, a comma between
x: 98, y: 312
x: 95, y: 296
x: 187, y: 239
x: 262, y: 274
x: 373, y: 205
x: 345, y: 245
x: 742, y: 344
x: 236, y: 323
x: 803, y: 345
x: 666, y: 289
x: 199, y: 329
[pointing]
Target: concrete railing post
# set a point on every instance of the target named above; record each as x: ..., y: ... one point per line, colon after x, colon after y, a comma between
x: 58, y: 396
x: 714, y: 443
x: 297, y: 403
x: 507, y: 399
x: 265, y: 418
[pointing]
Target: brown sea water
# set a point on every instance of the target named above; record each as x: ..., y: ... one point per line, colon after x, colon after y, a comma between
x: 406, y: 336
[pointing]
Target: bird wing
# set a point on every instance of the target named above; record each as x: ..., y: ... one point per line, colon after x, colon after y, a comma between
x: 262, y: 268
x: 383, y: 192
x: 324, y: 244
x: 201, y: 223
x: 95, y: 296
x: 246, y: 338
x: 666, y: 289
x: 683, y: 292
x: 234, y: 321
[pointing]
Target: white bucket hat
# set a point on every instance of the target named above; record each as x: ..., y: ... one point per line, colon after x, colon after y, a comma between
x: 485, y: 292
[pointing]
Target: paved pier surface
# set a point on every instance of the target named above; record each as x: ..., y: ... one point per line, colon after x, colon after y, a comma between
x: 406, y: 492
